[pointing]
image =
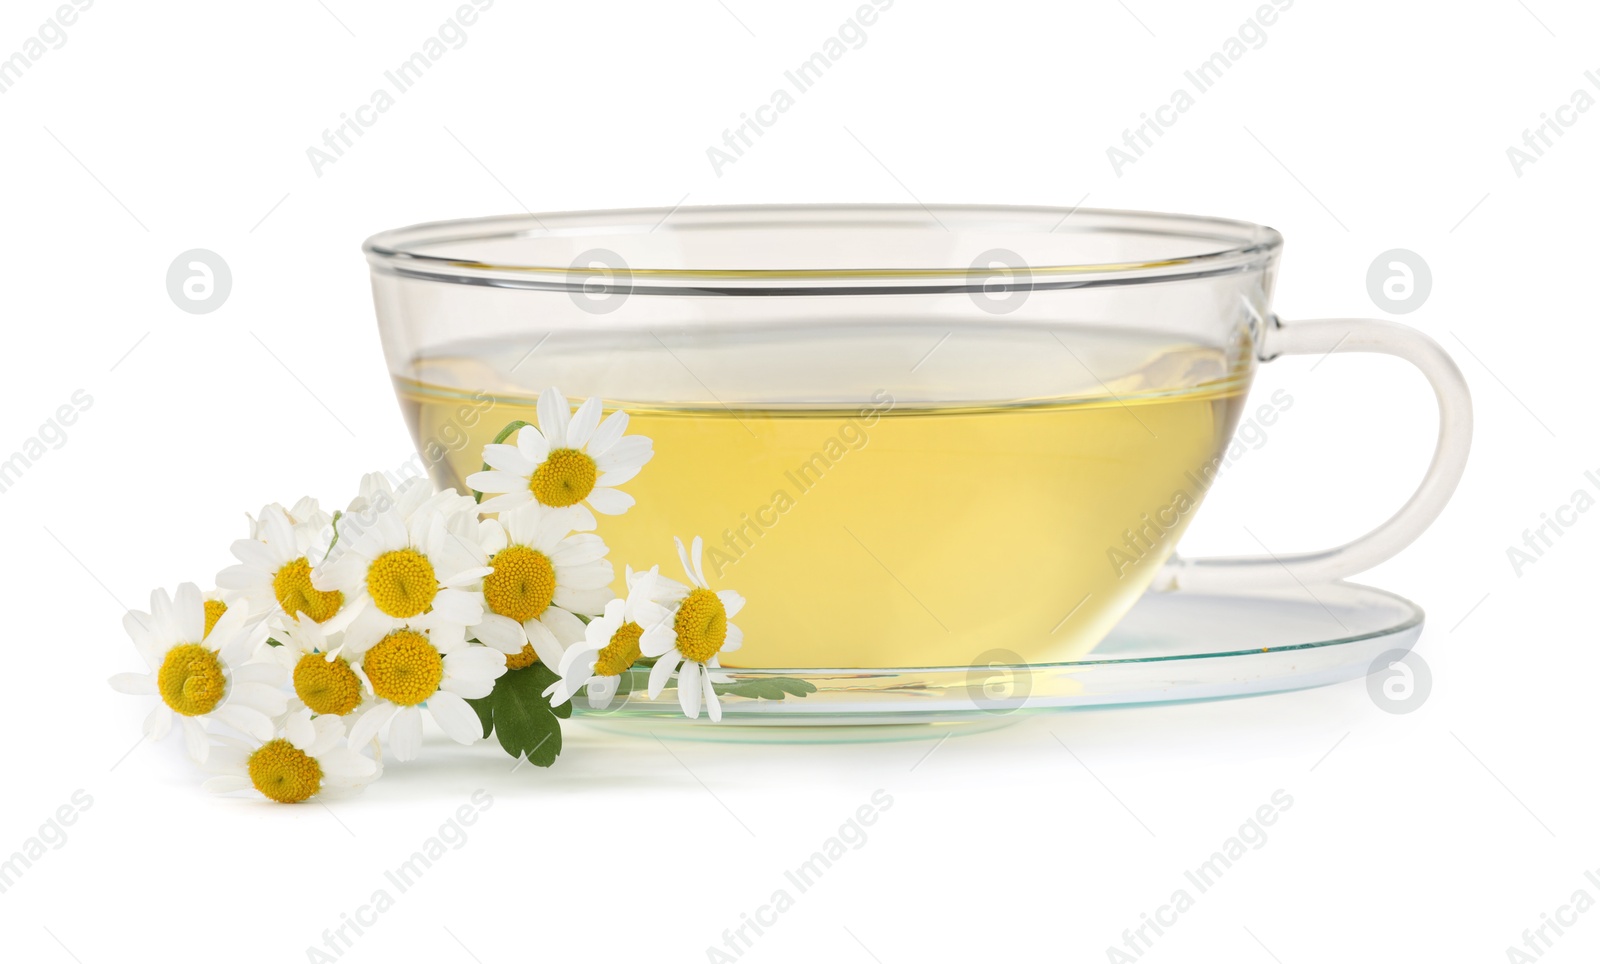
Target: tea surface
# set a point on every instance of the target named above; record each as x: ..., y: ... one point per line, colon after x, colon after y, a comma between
x: 893, y: 533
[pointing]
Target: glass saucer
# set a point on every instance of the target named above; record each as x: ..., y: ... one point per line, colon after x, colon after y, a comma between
x: 1172, y: 646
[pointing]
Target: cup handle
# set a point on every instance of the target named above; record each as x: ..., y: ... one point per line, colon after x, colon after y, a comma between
x: 1324, y: 337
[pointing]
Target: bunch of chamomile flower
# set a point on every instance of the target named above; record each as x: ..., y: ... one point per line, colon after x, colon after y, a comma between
x: 314, y: 660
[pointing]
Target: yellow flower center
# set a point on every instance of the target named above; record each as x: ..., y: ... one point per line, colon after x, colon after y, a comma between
x: 190, y: 680
x: 404, y: 668
x: 621, y: 652
x: 402, y: 583
x: 522, y: 584
x: 565, y: 478
x: 292, y: 585
x: 284, y: 773
x: 702, y: 625
x: 326, y: 686
x: 214, y: 610
x: 523, y: 659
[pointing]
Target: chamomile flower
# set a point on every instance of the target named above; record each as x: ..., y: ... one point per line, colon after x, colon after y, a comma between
x: 323, y: 679
x: 305, y: 759
x: 416, y: 567
x: 411, y: 670
x: 568, y: 460
x: 201, y: 676
x: 276, y: 562
x: 611, y: 641
x: 543, y: 575
x: 690, y: 641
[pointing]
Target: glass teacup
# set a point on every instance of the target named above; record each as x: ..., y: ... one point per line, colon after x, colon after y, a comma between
x: 907, y: 435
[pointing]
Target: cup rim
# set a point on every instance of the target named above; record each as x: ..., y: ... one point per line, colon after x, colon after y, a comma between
x: 1226, y: 246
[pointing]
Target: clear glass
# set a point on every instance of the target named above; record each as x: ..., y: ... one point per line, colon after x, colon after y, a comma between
x: 910, y: 436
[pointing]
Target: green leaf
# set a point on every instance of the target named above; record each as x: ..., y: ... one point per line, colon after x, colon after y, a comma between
x: 773, y: 688
x: 499, y: 439
x: 520, y: 716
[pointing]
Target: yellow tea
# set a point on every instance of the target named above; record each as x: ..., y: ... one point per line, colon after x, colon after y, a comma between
x: 888, y: 533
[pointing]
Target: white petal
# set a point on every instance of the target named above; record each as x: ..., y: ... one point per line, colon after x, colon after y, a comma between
x: 267, y: 700
x: 588, y: 602
x: 475, y: 662
x: 533, y: 445
x: 370, y: 723
x: 458, y: 720
x: 629, y: 453
x: 195, y: 738
x: 579, y: 549
x: 713, y: 708
x: 496, y: 481
x: 683, y: 558
x: 405, y: 734
x: 348, y: 572
x: 507, y: 458
x: 609, y: 501
x: 734, y: 640
x: 657, y: 639
x: 501, y: 633
x: 254, y: 556
x: 731, y: 601
x: 228, y: 783
x: 329, y: 733
x: 689, y: 692
x: 618, y: 476
x: 190, y: 609
x: 584, y: 422
x: 510, y: 500
x: 554, y: 416
x: 158, y: 723
x: 588, y: 575
x: 298, y: 730
x: 578, y: 659
x: 567, y: 628
x: 698, y: 553
x: 470, y: 687
x: 607, y: 434
x: 458, y: 606
x: 345, y: 765
x: 661, y: 671
x: 134, y: 684
x: 544, y: 643
x: 244, y: 719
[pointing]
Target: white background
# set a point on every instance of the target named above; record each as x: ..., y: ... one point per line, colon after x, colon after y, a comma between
x: 1358, y: 127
